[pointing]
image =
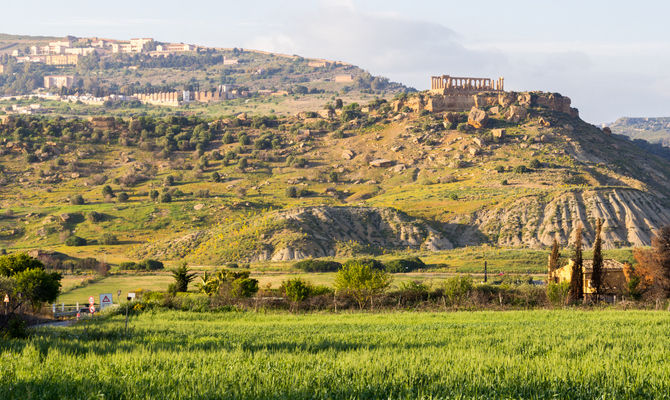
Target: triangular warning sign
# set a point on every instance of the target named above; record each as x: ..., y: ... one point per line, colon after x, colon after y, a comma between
x: 105, y: 299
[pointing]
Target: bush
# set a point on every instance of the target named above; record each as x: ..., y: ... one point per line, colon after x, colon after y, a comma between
x: 557, y: 293
x: 75, y: 241
x: 521, y: 169
x: 77, y: 200
x: 317, y: 265
x: 404, y: 265
x: 371, y: 262
x: 151, y: 265
x: 535, y: 164
x: 95, y: 216
x: 242, y: 163
x: 361, y: 281
x: 296, y: 289
x: 166, y: 198
x: 246, y: 287
x: 109, y: 239
x: 463, y: 127
x: 457, y: 288
x: 153, y: 195
x: 16, y: 328
x: 145, y: 265
x: 292, y: 192
x: 123, y: 197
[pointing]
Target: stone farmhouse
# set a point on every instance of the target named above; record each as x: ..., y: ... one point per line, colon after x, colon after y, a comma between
x: 614, y: 279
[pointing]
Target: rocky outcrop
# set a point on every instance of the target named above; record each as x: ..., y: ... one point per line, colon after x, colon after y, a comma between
x: 326, y: 231
x: 629, y: 219
x: 477, y: 118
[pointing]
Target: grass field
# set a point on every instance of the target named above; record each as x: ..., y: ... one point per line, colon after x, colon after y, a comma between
x: 110, y: 284
x: 176, y: 355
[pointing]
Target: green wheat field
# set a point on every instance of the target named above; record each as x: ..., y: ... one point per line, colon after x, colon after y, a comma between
x: 565, y: 354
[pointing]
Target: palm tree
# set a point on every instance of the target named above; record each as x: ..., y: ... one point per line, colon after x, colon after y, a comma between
x: 182, y: 277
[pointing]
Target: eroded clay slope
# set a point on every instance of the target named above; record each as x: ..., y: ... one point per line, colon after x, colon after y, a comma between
x: 629, y: 218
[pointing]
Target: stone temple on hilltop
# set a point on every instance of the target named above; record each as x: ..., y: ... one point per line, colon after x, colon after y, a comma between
x: 462, y: 94
x: 451, y: 84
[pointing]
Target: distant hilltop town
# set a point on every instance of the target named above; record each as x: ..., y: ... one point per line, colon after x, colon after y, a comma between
x: 70, y: 50
x: 67, y: 69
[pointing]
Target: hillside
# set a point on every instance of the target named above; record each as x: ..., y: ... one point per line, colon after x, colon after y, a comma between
x: 385, y: 176
x: 653, y: 130
x: 106, y: 72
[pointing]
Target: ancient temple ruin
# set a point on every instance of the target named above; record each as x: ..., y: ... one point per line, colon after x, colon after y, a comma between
x: 454, y: 84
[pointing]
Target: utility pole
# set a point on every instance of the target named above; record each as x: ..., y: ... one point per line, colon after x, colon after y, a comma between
x: 485, y: 272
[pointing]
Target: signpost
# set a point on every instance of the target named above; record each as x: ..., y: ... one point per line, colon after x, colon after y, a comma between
x: 106, y: 300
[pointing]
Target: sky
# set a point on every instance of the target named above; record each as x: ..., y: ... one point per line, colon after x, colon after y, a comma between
x: 612, y: 58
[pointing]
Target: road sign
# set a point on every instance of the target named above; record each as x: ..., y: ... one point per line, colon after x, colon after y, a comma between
x: 91, y: 309
x: 105, y: 300
x: 91, y: 300
x: 6, y: 298
x: 131, y: 296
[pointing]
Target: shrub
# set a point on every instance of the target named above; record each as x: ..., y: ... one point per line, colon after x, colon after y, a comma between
x: 242, y: 163
x: 296, y: 289
x: 166, y: 198
x: 75, y: 241
x: 123, y: 197
x: 107, y: 191
x: 95, y: 216
x: 457, y: 288
x: 404, y: 265
x: 246, y: 287
x: 362, y: 282
x: 216, y: 177
x: 77, y: 200
x: 521, y: 169
x: 292, y: 192
x: 153, y: 195
x: 317, y: 265
x: 16, y: 328
x: 150, y: 265
x: 244, y: 140
x: 557, y: 293
x: 145, y: 265
x: 228, y: 138
x: 463, y: 127
x: 371, y: 262
x: 535, y: 164
x: 109, y: 239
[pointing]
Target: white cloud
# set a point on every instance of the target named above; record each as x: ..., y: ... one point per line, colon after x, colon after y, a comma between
x: 604, y: 79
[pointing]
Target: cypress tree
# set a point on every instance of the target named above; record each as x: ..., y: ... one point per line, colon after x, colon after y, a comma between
x: 553, y: 261
x: 577, y: 278
x: 597, y: 274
